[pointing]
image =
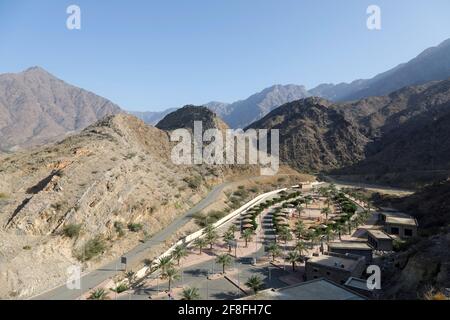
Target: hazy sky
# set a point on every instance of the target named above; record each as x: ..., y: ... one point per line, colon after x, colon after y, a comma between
x: 150, y: 55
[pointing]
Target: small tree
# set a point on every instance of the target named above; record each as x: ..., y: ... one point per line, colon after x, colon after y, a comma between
x: 274, y: 250
x: 224, y: 260
x: 300, y: 247
x: 179, y: 252
x: 211, y: 235
x: 200, y: 243
x: 255, y: 283
x: 247, y: 235
x: 326, y: 212
x: 165, y: 263
x: 285, y: 235
x: 190, y: 294
x: 228, y: 237
x: 171, y: 275
x: 293, y: 257
x: 299, y: 229
x: 98, y: 294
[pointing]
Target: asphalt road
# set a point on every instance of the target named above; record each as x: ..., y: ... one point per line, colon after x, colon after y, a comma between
x: 138, y: 254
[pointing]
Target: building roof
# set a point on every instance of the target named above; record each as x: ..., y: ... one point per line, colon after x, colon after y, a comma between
x: 399, y: 218
x: 317, y: 289
x: 341, y: 262
x: 349, y: 245
x: 357, y: 283
x: 379, y: 234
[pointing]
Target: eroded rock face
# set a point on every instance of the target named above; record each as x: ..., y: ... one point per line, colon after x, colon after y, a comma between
x: 113, y: 173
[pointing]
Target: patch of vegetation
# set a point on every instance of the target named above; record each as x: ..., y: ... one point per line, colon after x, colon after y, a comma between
x: 27, y: 247
x: 118, y: 226
x: 3, y: 195
x: 202, y: 220
x: 72, y: 230
x: 91, y: 249
x: 194, y: 182
x: 120, y: 288
x: 135, y: 227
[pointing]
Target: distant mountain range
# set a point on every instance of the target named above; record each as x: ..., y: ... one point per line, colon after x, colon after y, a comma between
x: 37, y: 108
x: 432, y: 64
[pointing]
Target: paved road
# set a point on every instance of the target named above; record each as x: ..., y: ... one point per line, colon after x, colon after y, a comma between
x: 138, y: 254
x: 372, y: 187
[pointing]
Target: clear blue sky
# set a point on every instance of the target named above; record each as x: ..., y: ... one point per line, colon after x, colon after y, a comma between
x: 154, y: 54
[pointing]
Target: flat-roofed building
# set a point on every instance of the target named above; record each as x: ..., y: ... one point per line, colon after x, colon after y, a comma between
x: 352, y: 247
x: 379, y: 240
x: 399, y: 224
x: 318, y: 289
x: 359, y: 285
x: 335, y: 267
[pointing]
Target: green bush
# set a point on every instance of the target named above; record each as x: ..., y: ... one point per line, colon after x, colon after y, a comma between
x: 193, y: 182
x: 118, y: 226
x: 3, y: 195
x: 135, y: 227
x: 72, y: 230
x: 91, y: 248
x: 27, y: 247
x: 120, y: 288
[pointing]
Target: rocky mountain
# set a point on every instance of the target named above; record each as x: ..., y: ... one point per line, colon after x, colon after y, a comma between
x: 185, y: 117
x: 432, y: 64
x: 222, y: 109
x: 152, y: 117
x: 37, y: 108
x: 395, y: 139
x: 242, y: 113
x: 72, y: 202
x: 407, y: 132
x: 314, y: 136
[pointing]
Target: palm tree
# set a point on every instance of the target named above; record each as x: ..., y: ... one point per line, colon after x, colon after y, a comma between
x: 300, y: 246
x: 171, y: 275
x: 339, y: 228
x: 233, y: 228
x: 224, y: 260
x: 165, y: 263
x: 307, y: 200
x: 200, y: 243
x: 255, y: 283
x: 274, y: 250
x: 247, y: 235
x: 179, y: 252
x: 190, y: 294
x: 300, y: 209
x: 228, y: 237
x: 293, y: 257
x: 299, y: 229
x: 326, y: 212
x: 211, y: 235
x: 285, y: 235
x: 98, y: 294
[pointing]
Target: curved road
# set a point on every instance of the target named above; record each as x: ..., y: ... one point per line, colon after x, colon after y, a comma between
x: 136, y: 255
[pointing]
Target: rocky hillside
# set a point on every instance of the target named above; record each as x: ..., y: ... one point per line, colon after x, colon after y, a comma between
x: 432, y: 64
x: 80, y: 200
x: 314, y: 136
x: 407, y: 130
x: 425, y: 262
x: 185, y: 117
x: 394, y: 139
x: 37, y: 108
